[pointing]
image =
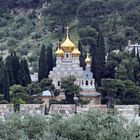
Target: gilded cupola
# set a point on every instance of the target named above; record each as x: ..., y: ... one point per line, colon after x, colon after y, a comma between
x: 59, y: 52
x: 88, y: 60
x: 76, y: 52
x: 67, y: 45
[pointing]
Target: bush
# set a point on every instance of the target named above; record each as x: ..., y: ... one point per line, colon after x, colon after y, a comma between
x: 92, y: 125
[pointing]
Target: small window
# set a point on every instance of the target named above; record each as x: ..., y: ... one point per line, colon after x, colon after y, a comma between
x: 87, y: 83
x: 58, y: 83
x: 91, y: 83
x: 67, y: 55
x: 82, y: 83
x: 87, y: 75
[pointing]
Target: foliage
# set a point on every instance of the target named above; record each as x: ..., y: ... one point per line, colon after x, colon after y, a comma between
x: 89, y: 125
x: 46, y: 84
x: 70, y: 88
x: 42, y: 73
x: 116, y: 91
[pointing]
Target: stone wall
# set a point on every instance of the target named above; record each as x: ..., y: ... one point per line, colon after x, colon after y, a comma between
x: 32, y: 109
x: 127, y: 110
x: 72, y: 109
x: 6, y: 110
x: 63, y: 109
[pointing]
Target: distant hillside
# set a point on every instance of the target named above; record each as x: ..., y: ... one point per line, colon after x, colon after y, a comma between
x: 25, y: 24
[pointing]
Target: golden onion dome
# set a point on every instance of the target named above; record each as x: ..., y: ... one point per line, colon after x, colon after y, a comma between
x: 76, y: 52
x: 67, y: 45
x: 88, y: 60
x: 59, y: 52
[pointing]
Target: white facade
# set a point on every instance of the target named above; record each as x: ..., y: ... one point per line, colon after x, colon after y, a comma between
x: 70, y: 66
x: 131, y: 46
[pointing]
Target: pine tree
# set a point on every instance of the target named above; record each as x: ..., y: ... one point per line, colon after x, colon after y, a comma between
x: 42, y: 72
x: 82, y: 56
x: 6, y: 85
x: 50, y: 60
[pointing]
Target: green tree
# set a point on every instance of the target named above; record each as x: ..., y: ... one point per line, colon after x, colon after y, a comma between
x: 70, y: 88
x: 82, y: 55
x: 24, y: 73
x: 88, y: 35
x: 42, y: 73
x: 6, y: 85
x: 35, y: 92
x: 15, y: 67
x: 99, y: 59
x: 91, y: 12
x: 50, y: 59
x: 46, y: 84
x: 113, y: 91
x: 116, y: 41
x: 10, y: 71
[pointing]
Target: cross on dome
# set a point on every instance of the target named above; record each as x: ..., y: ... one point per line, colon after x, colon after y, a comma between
x: 67, y: 28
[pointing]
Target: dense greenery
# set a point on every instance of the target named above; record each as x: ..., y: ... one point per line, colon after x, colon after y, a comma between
x: 84, y: 126
x: 70, y: 89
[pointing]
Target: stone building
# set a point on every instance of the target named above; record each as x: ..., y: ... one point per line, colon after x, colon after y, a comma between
x: 68, y: 64
x: 132, y: 46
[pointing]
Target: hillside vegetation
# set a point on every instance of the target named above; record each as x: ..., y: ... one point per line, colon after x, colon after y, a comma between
x: 24, y: 24
x: 99, y: 26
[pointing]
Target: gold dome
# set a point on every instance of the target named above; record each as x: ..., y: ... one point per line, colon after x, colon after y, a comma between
x: 59, y: 52
x: 88, y: 60
x: 76, y: 52
x: 67, y: 45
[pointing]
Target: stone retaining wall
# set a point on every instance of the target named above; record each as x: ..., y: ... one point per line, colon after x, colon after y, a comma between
x: 6, y: 110
x: 67, y: 109
x: 32, y: 109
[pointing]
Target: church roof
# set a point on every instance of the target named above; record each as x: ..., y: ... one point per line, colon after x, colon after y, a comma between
x: 59, y: 52
x: 91, y: 94
x: 67, y: 45
x: 46, y: 93
x: 76, y: 52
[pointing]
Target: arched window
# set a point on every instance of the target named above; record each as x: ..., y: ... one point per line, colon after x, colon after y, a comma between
x: 91, y: 82
x: 67, y: 55
x: 58, y: 83
x: 87, y: 83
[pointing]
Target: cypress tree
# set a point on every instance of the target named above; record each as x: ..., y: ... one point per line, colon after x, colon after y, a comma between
x: 100, y: 59
x: 42, y: 65
x: 25, y: 64
x: 50, y: 60
x: 15, y: 67
x: 24, y: 73
x: 93, y: 50
x: 10, y: 71
x: 1, y: 71
x: 6, y: 85
x: 82, y: 56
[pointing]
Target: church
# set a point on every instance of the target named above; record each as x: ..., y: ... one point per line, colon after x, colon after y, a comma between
x: 68, y: 64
